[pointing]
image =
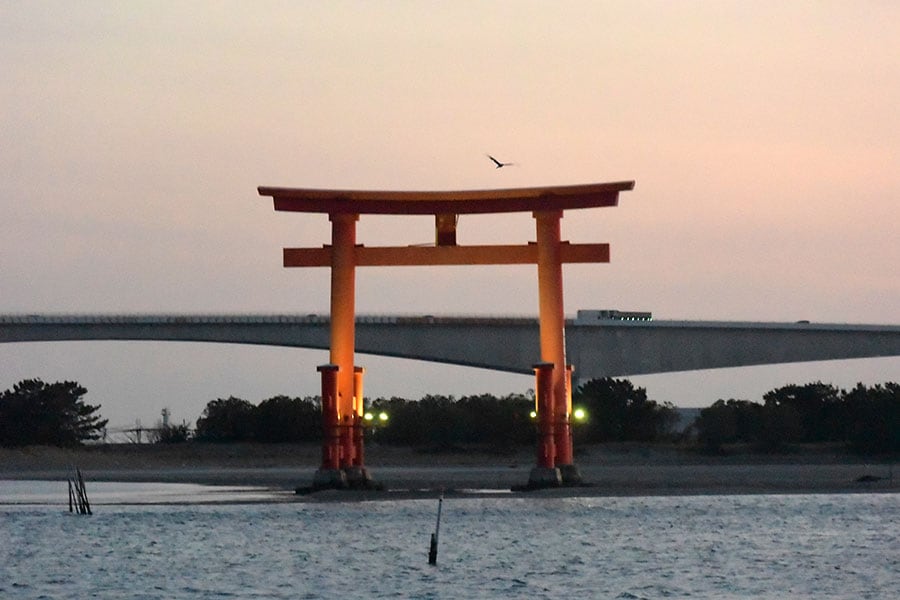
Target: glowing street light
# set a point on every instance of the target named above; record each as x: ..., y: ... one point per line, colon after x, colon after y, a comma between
x: 370, y: 417
x: 579, y: 414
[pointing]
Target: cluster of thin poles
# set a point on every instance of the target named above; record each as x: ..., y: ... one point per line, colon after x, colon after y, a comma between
x: 78, y: 500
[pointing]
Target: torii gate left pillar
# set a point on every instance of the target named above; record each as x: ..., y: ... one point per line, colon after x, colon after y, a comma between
x: 343, y: 461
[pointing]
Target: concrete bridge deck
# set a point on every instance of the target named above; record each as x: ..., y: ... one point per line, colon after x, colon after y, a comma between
x: 607, y: 348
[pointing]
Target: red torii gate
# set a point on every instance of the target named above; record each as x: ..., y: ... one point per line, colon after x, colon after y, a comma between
x: 342, y: 381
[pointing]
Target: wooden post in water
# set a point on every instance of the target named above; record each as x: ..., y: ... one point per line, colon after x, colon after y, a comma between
x: 432, y: 550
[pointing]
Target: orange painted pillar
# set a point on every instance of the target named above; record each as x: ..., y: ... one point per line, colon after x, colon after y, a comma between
x: 546, y: 451
x: 331, y: 444
x: 343, y: 326
x: 553, y: 324
x: 562, y: 427
x: 359, y: 410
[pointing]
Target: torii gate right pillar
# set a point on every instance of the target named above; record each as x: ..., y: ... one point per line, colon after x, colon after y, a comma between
x: 553, y: 340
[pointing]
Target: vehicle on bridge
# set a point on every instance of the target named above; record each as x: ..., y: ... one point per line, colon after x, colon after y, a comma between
x: 589, y: 317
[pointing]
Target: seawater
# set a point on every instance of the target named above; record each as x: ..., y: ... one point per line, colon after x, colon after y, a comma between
x: 758, y: 546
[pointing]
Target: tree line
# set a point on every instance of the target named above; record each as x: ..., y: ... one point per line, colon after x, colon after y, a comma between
x: 616, y: 411
x: 866, y: 419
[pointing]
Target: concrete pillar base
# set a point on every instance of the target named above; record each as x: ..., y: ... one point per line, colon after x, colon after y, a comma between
x: 329, y: 479
x: 358, y: 478
x: 570, y: 475
x: 544, y: 477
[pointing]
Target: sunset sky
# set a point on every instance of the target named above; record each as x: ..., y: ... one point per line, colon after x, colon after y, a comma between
x: 763, y: 137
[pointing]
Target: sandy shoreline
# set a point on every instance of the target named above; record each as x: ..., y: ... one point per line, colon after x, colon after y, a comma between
x: 607, y: 470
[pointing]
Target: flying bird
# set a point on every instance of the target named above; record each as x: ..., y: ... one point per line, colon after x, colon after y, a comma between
x: 500, y: 164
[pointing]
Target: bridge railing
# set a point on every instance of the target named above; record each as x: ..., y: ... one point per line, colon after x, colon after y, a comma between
x: 194, y: 319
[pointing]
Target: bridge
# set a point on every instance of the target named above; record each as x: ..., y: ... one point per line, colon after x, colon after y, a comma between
x: 596, y: 348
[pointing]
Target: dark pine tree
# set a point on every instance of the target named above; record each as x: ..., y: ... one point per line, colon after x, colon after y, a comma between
x: 38, y: 413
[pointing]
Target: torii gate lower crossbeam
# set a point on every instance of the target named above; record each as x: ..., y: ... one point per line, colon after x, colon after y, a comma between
x: 342, y: 395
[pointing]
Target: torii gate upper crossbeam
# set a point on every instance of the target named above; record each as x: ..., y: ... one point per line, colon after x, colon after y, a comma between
x: 360, y: 202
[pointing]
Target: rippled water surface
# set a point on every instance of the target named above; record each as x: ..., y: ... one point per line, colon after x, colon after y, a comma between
x: 805, y: 546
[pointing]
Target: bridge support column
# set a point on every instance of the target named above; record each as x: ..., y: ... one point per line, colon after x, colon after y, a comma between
x: 545, y: 473
x: 330, y: 475
x: 552, y: 330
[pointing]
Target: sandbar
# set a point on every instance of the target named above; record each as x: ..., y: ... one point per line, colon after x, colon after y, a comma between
x: 607, y: 470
